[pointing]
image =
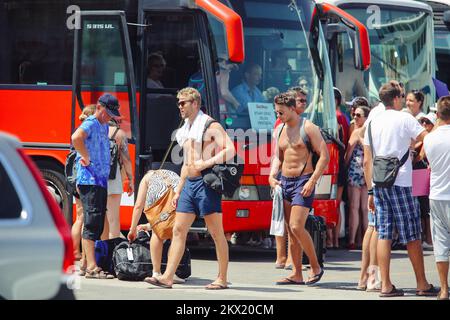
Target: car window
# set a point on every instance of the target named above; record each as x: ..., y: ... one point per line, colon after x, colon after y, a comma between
x: 10, y: 206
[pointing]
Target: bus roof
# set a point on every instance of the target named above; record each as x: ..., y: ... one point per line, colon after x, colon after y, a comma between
x: 397, y: 3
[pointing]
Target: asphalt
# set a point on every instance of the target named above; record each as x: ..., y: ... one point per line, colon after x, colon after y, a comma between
x: 252, y: 276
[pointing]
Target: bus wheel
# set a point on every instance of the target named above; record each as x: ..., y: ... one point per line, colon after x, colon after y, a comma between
x: 56, y: 185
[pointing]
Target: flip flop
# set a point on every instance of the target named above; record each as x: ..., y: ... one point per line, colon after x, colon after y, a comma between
x: 216, y: 286
x: 279, y: 265
x: 156, y: 282
x: 394, y: 293
x: 361, y: 288
x: 288, y: 267
x: 431, y: 292
x: 316, y: 278
x: 287, y: 281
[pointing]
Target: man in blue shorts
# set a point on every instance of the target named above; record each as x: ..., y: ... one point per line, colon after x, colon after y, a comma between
x: 201, y: 150
x: 93, y: 164
x: 298, y: 180
x: 391, y: 133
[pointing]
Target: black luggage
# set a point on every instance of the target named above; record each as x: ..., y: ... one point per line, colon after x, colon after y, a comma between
x: 104, y: 253
x: 184, y: 268
x: 318, y: 230
x: 141, y: 266
x: 132, y: 260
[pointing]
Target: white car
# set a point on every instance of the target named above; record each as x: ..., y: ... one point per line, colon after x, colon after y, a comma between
x: 36, y: 254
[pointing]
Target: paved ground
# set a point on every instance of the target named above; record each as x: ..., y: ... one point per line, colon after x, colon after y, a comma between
x: 252, y: 276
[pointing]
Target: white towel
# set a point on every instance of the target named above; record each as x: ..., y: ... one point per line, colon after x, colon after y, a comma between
x: 277, y: 222
x: 194, y: 131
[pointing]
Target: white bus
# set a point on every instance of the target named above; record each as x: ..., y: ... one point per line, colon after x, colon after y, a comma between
x: 401, y: 45
x: 441, y: 18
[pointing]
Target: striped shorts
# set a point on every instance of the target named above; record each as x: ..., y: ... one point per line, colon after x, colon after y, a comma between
x: 397, y: 210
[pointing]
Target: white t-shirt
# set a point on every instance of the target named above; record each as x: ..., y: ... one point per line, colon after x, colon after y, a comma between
x: 392, y: 132
x: 437, y: 149
x: 374, y: 113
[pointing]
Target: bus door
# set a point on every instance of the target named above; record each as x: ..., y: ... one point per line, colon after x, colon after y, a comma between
x: 349, y: 50
x: 103, y: 63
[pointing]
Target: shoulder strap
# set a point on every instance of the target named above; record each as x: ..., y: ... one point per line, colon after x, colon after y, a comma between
x: 114, y: 134
x: 305, y: 136
x: 305, y: 139
x: 209, y: 122
x: 369, y: 130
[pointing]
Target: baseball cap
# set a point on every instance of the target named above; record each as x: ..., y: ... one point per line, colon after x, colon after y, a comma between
x: 431, y: 116
x: 110, y: 103
x: 360, y: 100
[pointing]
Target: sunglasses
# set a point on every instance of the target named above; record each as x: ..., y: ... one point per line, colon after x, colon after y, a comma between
x: 182, y: 103
x: 301, y: 100
x: 425, y: 121
x: 357, y: 115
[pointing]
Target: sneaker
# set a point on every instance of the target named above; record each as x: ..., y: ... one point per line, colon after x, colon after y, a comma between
x: 425, y: 245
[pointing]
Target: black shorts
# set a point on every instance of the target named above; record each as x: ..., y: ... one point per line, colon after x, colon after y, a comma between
x: 94, y: 200
x: 342, y: 174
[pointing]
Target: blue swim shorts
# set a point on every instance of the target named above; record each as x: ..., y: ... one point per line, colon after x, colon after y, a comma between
x: 196, y: 197
x: 292, y: 188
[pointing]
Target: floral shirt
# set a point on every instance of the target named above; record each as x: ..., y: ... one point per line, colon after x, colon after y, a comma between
x: 97, y: 144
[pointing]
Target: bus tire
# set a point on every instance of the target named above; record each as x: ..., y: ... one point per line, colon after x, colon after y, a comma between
x: 56, y: 184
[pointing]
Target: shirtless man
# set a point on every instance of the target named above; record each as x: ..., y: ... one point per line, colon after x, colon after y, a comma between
x: 193, y: 196
x: 298, y: 180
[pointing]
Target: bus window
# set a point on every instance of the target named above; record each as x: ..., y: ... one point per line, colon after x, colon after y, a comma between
x: 36, y: 47
x: 173, y: 62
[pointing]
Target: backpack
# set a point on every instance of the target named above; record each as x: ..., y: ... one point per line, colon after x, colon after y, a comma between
x: 104, y: 253
x: 223, y: 178
x: 114, y: 151
x: 131, y: 261
x: 70, y: 171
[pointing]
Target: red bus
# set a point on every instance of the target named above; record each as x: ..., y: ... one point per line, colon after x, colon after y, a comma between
x: 57, y: 57
x: 286, y: 39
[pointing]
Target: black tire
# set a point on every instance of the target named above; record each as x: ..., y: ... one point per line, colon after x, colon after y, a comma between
x: 56, y: 182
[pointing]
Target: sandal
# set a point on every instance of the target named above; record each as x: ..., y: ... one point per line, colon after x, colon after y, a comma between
x: 82, y: 272
x: 430, y: 292
x: 98, y: 274
x: 393, y: 293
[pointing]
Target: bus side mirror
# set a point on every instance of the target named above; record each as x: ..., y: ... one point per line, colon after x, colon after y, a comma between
x: 357, y: 31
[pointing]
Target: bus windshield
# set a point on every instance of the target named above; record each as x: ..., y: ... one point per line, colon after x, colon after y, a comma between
x: 401, y: 44
x: 280, y: 53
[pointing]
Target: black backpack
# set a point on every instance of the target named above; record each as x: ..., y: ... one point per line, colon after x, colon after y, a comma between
x: 223, y: 178
x: 70, y: 171
x: 114, y: 151
x: 131, y: 261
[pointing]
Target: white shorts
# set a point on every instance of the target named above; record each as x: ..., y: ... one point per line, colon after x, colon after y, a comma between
x: 440, y: 229
x: 115, y: 186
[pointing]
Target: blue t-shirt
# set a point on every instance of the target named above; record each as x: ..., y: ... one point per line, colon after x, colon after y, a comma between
x: 244, y: 94
x: 97, y: 144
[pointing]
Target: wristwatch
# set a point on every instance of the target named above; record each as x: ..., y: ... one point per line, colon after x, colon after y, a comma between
x: 370, y: 192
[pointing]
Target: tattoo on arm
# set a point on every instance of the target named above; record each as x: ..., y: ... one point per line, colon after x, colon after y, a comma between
x: 124, y: 150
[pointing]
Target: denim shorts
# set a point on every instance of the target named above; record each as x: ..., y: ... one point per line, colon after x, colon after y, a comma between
x: 196, y: 197
x: 396, y: 209
x: 292, y: 188
x: 94, y: 200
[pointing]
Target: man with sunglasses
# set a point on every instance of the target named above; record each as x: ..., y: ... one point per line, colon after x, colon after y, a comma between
x: 201, y: 150
x: 300, y: 102
x: 298, y: 180
x: 391, y: 133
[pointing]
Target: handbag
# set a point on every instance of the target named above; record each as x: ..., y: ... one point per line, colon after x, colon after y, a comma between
x: 161, y: 215
x: 385, y: 169
x: 223, y: 178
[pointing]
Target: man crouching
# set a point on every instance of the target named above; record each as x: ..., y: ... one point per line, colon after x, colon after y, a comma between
x: 193, y: 197
x: 298, y: 180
